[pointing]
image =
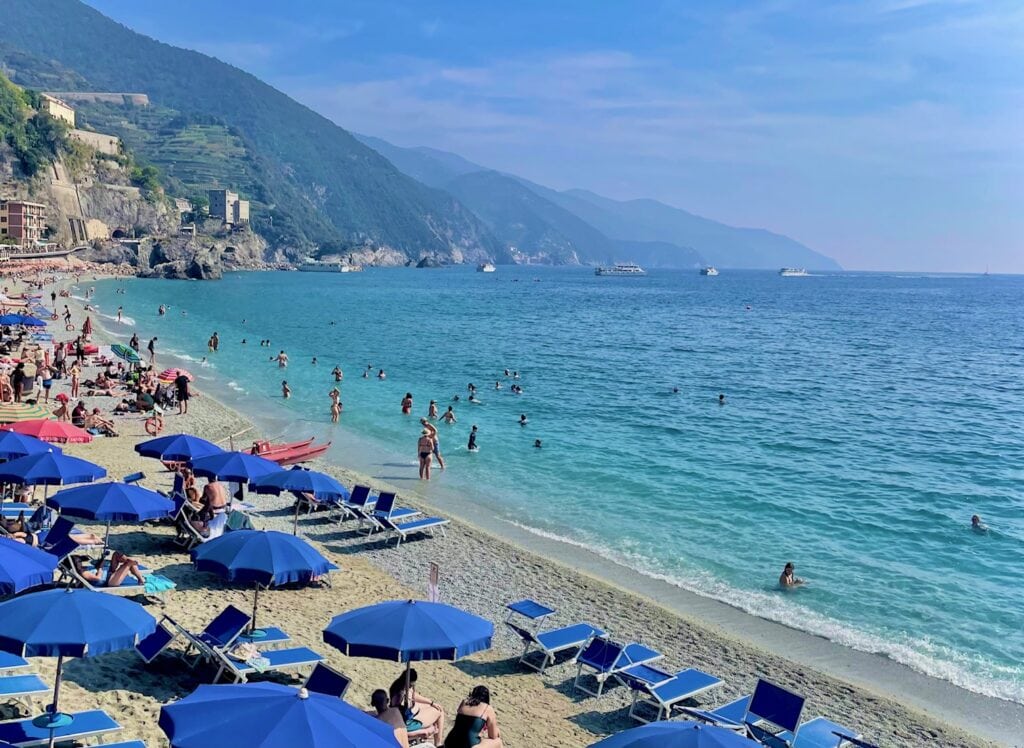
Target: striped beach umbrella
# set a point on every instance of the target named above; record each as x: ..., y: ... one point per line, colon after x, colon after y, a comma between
x: 126, y: 353
x: 18, y: 412
x: 169, y: 375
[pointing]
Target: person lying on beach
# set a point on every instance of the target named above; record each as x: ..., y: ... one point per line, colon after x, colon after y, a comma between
x: 120, y: 567
x: 476, y: 723
x: 787, y: 578
x: 389, y: 715
x: 95, y: 420
x: 422, y: 716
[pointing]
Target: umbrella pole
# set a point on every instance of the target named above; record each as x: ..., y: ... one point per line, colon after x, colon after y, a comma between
x: 408, y: 685
x: 255, y: 602
x: 295, y: 525
x: 106, y: 540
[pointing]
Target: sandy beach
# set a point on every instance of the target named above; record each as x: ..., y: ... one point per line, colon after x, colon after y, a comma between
x: 479, y: 572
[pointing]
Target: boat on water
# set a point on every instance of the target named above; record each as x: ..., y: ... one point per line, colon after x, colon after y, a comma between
x: 317, y: 266
x: 793, y: 272
x: 709, y: 270
x: 621, y: 268
x: 486, y: 267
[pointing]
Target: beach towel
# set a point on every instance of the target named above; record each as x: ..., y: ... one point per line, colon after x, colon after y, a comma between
x: 156, y: 584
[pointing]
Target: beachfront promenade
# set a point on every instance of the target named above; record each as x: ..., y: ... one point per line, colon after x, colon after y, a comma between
x: 477, y: 574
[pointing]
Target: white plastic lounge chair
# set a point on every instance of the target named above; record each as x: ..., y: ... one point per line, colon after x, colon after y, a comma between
x: 552, y: 643
x: 22, y: 688
x: 328, y: 681
x: 662, y: 690
x: 94, y: 723
x: 405, y: 529
x: 277, y: 661
x: 10, y: 663
x: 604, y: 658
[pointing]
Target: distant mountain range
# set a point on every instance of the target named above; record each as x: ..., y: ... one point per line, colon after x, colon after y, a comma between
x: 314, y: 186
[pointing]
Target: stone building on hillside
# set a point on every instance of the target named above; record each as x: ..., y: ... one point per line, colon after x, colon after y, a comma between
x: 22, y: 220
x: 57, y: 108
x: 226, y: 206
x: 108, y: 144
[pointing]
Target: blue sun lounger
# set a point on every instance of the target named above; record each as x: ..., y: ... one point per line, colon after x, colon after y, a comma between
x: 605, y: 658
x: 385, y: 509
x: 405, y: 529
x: 729, y: 715
x: 22, y: 688
x: 662, y: 690
x: 823, y: 733
x: 328, y: 681
x: 276, y: 661
x: 11, y: 662
x: 359, y: 504
x: 91, y: 724
x: 552, y: 643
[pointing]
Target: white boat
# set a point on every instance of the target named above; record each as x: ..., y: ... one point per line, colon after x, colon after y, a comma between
x: 792, y: 272
x: 621, y: 268
x: 486, y: 267
x: 709, y: 270
x: 316, y: 266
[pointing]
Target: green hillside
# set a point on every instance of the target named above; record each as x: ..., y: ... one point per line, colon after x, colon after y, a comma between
x: 325, y: 187
x: 35, y: 139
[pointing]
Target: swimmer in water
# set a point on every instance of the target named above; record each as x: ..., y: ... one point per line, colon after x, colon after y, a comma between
x: 472, y: 447
x: 472, y: 399
x: 506, y: 372
x: 381, y: 374
x: 515, y: 375
x: 977, y: 525
x: 366, y: 374
x: 449, y: 415
x: 432, y: 410
x: 286, y: 391
x: 455, y: 398
x: 536, y: 443
x: 787, y: 578
x: 522, y: 419
x: 407, y: 404
x: 721, y: 399
x: 314, y: 361
x: 675, y: 390
x: 497, y: 385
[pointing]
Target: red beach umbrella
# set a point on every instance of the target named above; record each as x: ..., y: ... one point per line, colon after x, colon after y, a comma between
x: 53, y: 431
x: 169, y: 375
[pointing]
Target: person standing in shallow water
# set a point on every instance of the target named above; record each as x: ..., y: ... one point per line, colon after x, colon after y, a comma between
x: 335, y: 395
x: 286, y: 391
x: 472, y: 447
x: 788, y: 577
x: 407, y: 404
x: 425, y: 452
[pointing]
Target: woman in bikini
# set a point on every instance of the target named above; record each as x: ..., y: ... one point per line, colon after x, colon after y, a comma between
x: 425, y: 450
x: 335, y: 395
x: 423, y: 718
x: 407, y: 404
x: 476, y: 724
x: 120, y: 567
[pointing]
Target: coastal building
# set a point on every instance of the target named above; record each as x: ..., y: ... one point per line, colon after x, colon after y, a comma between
x: 225, y: 205
x: 57, y: 108
x: 22, y: 220
x: 108, y: 144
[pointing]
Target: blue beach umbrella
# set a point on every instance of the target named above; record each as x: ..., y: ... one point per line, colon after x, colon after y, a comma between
x: 70, y: 623
x: 22, y: 566
x: 239, y: 467
x: 50, y: 468
x: 21, y: 319
x: 14, y: 445
x: 111, y: 502
x: 261, y: 557
x: 676, y: 735
x: 269, y: 715
x: 124, y: 352
x: 177, y: 448
x: 300, y: 480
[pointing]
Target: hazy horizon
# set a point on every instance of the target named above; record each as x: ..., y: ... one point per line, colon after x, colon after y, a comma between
x: 884, y: 134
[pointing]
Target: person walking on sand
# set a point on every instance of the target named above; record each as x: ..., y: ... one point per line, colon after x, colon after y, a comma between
x: 428, y: 426
x: 432, y: 410
x: 407, y: 404
x: 335, y: 395
x: 152, y: 350
x: 46, y: 375
x: 286, y: 391
x: 449, y: 415
x: 181, y: 385
x: 76, y: 378
x: 282, y: 360
x: 425, y: 452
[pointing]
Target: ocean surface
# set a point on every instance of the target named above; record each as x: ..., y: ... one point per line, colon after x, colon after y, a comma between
x: 867, y: 417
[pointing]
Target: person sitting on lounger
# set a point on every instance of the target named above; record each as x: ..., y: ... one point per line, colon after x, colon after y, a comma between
x: 422, y: 716
x: 120, y: 567
x: 476, y: 724
x: 389, y: 715
x: 18, y: 529
x: 787, y: 578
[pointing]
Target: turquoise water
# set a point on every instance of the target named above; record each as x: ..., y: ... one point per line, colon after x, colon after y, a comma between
x: 866, y: 418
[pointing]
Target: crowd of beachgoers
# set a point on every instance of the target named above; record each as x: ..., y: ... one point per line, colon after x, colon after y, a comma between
x: 594, y: 631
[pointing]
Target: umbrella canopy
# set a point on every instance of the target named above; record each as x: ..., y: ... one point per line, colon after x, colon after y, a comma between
x: 126, y: 353
x: 111, y: 502
x: 70, y: 623
x: 240, y: 467
x: 87, y: 326
x: 299, y: 479
x: 14, y: 445
x: 53, y: 431
x: 21, y: 319
x: 409, y: 630
x: 676, y: 735
x: 269, y: 715
x: 15, y: 412
x: 261, y: 557
x: 50, y: 468
x: 169, y: 375
x: 177, y: 448
x: 22, y: 566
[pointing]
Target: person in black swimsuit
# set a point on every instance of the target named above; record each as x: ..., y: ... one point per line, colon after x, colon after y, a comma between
x: 476, y: 724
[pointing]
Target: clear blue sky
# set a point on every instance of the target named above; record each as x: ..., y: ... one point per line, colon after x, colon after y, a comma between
x: 888, y: 134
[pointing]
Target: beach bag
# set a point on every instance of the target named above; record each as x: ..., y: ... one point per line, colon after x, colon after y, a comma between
x: 249, y: 653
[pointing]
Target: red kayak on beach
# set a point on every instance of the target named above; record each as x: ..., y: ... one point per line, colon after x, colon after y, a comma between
x: 289, y: 454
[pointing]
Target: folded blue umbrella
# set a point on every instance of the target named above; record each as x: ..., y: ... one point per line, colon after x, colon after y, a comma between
x: 261, y: 557
x: 51, y: 468
x: 22, y: 566
x: 239, y: 467
x: 14, y: 445
x: 409, y: 630
x: 676, y: 735
x: 177, y: 448
x: 70, y: 623
x: 269, y: 715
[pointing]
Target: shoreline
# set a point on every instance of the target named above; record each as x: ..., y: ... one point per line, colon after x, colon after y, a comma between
x: 525, y: 562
